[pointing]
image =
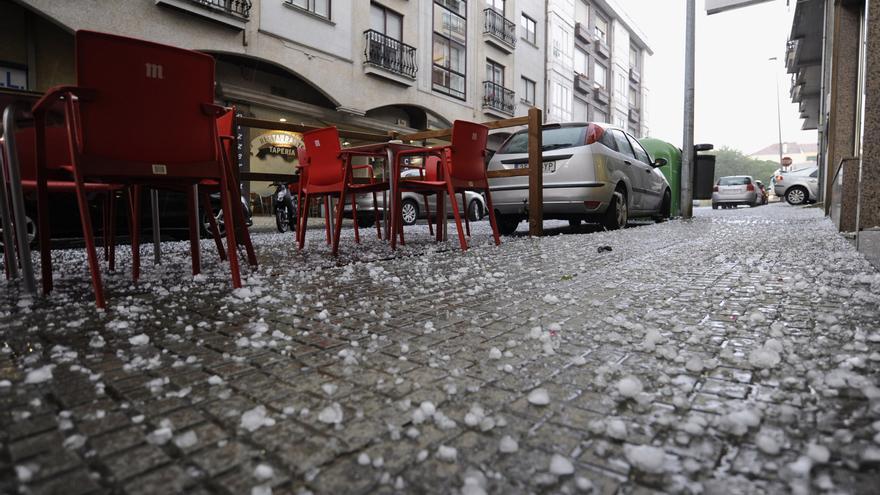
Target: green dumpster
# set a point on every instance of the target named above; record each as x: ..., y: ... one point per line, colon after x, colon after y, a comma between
x: 672, y: 170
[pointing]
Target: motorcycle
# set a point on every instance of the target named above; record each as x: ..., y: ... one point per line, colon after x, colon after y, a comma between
x: 285, y: 207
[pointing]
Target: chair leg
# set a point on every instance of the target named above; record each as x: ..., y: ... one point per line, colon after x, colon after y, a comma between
x: 43, y: 206
x: 112, y: 229
x: 338, y: 220
x: 231, y: 228
x: 428, y: 215
x: 304, y: 220
x: 212, y: 225
x: 194, y: 251
x: 467, y: 224
x: 376, y: 216
x: 455, y: 213
x: 134, y: 202
x: 88, y: 235
x: 105, y: 226
x: 492, y: 221
x: 354, y: 216
x: 327, y: 219
x: 440, y: 215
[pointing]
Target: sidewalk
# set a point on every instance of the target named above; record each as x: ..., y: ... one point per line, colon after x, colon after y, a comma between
x: 735, y: 353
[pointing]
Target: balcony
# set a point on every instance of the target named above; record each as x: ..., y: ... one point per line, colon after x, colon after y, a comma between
x: 582, y: 84
x: 501, y: 32
x: 233, y: 13
x: 498, y: 99
x: 634, y: 114
x: 582, y: 33
x: 602, y: 49
x: 389, y: 58
x: 601, y: 96
x: 634, y: 75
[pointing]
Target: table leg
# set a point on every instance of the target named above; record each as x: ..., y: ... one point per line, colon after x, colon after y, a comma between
x: 18, y: 211
x: 392, y: 193
x: 233, y: 250
x: 6, y: 217
x: 154, y: 211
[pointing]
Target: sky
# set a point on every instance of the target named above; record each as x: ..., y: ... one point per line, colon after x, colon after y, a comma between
x: 735, y: 92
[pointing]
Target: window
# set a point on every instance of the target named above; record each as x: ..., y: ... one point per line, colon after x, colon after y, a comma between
x: 495, y: 73
x: 528, y: 91
x: 608, y: 140
x: 622, y: 87
x: 450, y: 48
x: 317, y: 7
x: 600, y: 75
x: 562, y: 44
x: 496, y: 4
x: 599, y: 115
x: 580, y: 110
x: 619, y: 119
x: 581, y: 62
x: 641, y: 154
x: 634, y: 58
x: 386, y: 21
x: 561, y: 101
x: 601, y: 28
x: 622, y: 144
x: 529, y: 28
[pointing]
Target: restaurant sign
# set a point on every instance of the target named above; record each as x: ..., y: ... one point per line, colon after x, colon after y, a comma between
x: 278, y: 143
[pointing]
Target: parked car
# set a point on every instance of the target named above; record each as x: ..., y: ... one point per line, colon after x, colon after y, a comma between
x: 735, y: 190
x: 413, y: 205
x: 592, y: 171
x: 798, y: 187
x: 761, y: 188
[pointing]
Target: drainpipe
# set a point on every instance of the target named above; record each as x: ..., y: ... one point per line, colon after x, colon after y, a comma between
x: 546, y: 45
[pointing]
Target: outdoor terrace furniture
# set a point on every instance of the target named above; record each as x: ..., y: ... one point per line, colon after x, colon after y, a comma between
x: 141, y: 115
x: 331, y: 173
x: 462, y: 169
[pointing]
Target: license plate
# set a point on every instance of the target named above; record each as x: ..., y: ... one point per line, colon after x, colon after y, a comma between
x: 549, y: 167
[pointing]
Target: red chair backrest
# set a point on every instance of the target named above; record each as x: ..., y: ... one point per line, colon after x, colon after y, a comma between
x: 57, y: 153
x: 468, y: 150
x: 147, y: 106
x: 432, y: 166
x: 322, y: 149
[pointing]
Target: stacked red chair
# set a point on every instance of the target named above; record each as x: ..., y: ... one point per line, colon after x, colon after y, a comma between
x: 141, y: 115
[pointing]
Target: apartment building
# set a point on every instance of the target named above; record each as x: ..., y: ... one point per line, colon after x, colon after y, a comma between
x: 595, y: 61
x: 379, y: 65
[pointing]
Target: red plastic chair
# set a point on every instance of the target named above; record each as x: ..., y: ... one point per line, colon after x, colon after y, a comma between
x: 226, y: 132
x: 142, y: 114
x: 330, y: 173
x: 463, y: 169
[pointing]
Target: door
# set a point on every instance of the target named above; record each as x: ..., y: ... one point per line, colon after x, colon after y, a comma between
x: 653, y: 180
x: 631, y: 168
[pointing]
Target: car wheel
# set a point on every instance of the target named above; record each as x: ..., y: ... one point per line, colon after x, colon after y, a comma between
x: 365, y: 221
x: 714, y: 206
x: 574, y: 223
x: 616, y: 215
x: 409, y: 209
x: 284, y: 217
x: 796, y: 196
x: 30, y: 228
x: 474, y: 211
x: 507, y: 224
x: 665, y: 208
x: 218, y: 217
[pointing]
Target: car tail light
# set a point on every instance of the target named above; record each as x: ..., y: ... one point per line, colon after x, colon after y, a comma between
x: 750, y: 187
x: 715, y: 188
x: 592, y: 205
x: 594, y: 133
x: 779, y: 178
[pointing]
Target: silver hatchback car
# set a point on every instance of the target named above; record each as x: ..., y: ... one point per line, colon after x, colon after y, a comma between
x: 798, y: 187
x: 593, y: 172
x: 735, y: 190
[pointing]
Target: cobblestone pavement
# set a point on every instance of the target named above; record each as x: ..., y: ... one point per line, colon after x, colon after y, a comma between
x: 734, y: 353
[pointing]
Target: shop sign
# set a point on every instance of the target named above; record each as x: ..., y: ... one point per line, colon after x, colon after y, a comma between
x: 13, y: 77
x: 278, y: 143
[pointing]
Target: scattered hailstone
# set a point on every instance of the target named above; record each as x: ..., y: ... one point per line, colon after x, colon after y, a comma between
x: 446, y: 453
x: 255, y: 419
x: 756, y: 318
x: 765, y: 357
x: 616, y: 429
x: 74, y: 442
x: 323, y: 315
x: 215, y: 380
x: 140, y: 339
x: 495, y: 353
x: 539, y: 397
x: 160, y: 436
x: 40, y: 375
x: 767, y: 444
x: 818, y: 453
x: 629, y: 386
x: 186, y: 440
x: 551, y: 299
x: 97, y: 342
x: 364, y: 459
x: 645, y: 458
x: 331, y: 414
x: 329, y: 388
x: 508, y: 445
x: 263, y: 472
x: 261, y: 490
x: 561, y: 466
x: 583, y: 484
x: 579, y: 361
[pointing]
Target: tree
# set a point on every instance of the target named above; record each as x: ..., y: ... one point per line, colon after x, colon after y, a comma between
x: 729, y: 161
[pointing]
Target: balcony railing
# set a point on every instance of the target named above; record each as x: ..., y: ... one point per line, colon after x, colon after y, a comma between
x: 389, y: 54
x: 237, y: 8
x: 498, y: 26
x: 497, y: 97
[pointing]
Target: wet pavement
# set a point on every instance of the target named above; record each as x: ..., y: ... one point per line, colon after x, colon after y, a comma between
x: 734, y: 353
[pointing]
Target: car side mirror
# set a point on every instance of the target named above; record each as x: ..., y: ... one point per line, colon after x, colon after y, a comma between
x: 659, y: 162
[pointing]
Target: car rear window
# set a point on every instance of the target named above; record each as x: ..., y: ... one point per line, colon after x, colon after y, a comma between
x: 553, y: 138
x: 734, y: 181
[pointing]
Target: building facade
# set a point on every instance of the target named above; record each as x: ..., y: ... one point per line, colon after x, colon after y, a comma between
x: 595, y: 65
x: 833, y: 54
